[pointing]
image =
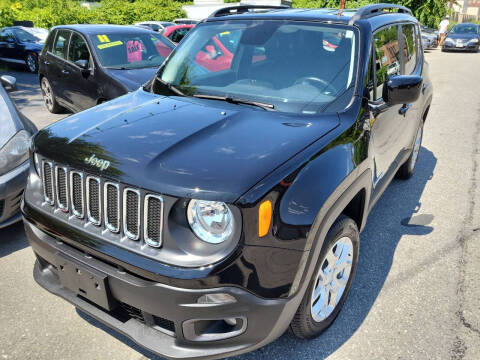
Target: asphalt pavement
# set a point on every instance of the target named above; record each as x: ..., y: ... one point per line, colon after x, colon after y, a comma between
x: 416, y: 294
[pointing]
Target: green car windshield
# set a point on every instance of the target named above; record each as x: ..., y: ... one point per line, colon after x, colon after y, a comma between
x: 289, y: 66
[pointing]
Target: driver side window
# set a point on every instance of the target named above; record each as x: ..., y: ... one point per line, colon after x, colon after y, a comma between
x: 387, y: 52
x: 78, y: 49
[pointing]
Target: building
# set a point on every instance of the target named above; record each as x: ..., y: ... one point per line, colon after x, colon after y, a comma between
x: 466, y: 10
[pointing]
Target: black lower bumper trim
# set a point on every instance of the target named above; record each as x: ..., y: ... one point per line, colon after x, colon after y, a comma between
x: 153, y: 310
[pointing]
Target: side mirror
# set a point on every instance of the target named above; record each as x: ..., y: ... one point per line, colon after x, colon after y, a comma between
x: 402, y: 89
x: 82, y: 64
x: 9, y: 83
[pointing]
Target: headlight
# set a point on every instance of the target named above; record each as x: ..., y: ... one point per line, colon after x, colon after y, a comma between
x: 473, y: 41
x: 14, y: 152
x: 211, y: 221
x: 450, y: 41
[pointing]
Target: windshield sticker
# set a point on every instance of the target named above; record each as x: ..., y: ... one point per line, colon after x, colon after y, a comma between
x: 103, y: 38
x: 107, y: 45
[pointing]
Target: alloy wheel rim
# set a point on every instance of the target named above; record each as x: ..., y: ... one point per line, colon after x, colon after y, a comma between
x: 332, y: 278
x: 416, y: 149
x: 31, y: 63
x: 47, y: 94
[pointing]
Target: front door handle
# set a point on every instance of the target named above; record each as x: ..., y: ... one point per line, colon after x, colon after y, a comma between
x: 46, y: 62
x: 403, y: 110
x: 65, y: 72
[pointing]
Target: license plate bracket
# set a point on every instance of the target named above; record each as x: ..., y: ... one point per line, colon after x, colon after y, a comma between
x: 84, y: 281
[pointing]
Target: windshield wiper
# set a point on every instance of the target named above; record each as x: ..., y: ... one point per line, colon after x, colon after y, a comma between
x: 170, y: 87
x: 232, y: 100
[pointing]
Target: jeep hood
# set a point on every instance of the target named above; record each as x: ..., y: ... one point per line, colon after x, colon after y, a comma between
x: 183, y: 147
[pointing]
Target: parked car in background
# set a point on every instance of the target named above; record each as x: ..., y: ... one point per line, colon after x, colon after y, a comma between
x: 428, y: 30
x: 177, y: 32
x: 429, y: 40
x: 186, y: 21
x: 17, y: 45
x: 84, y: 65
x: 157, y: 26
x: 462, y: 37
x: 209, y: 211
x: 41, y: 33
x: 15, y: 133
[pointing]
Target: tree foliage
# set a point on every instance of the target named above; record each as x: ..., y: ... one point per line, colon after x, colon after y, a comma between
x: 48, y: 13
x: 428, y: 12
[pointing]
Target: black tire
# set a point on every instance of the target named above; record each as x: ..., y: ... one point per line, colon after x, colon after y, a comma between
x: 49, y: 97
x: 303, y: 324
x: 407, y: 170
x: 31, y: 61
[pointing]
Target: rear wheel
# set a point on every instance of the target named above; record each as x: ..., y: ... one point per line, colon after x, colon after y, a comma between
x: 31, y: 61
x: 331, y: 280
x: 48, y: 97
x: 408, y: 168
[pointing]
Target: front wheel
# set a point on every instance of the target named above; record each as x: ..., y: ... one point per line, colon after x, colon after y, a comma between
x: 331, y: 280
x: 32, y: 62
x: 408, y: 168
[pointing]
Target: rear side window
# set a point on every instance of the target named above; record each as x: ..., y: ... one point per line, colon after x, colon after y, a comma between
x: 78, y: 49
x: 409, y: 48
x: 179, y: 34
x: 60, y: 44
x: 387, y: 55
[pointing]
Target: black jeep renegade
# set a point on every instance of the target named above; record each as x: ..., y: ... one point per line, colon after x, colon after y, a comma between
x: 205, y: 213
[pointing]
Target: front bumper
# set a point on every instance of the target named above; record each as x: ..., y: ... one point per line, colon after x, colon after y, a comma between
x: 158, y: 316
x: 12, y: 185
x: 454, y: 47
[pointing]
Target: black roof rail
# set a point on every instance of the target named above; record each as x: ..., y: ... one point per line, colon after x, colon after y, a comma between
x: 242, y: 9
x: 369, y: 11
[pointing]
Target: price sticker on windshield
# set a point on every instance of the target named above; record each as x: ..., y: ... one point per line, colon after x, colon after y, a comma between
x: 103, y: 38
x: 107, y: 45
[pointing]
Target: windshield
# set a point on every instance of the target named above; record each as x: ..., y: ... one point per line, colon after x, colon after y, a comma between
x: 465, y: 29
x: 285, y: 64
x: 24, y: 36
x: 131, y: 50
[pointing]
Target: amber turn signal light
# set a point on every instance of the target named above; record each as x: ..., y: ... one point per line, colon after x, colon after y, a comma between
x: 264, y: 218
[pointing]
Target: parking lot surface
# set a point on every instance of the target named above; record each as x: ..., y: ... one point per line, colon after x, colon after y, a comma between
x: 416, y: 294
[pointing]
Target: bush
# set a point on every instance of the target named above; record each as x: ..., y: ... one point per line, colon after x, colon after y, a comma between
x: 48, y: 13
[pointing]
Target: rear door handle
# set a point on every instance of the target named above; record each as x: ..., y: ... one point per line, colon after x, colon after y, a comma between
x: 403, y: 110
x: 424, y: 87
x: 46, y: 62
x: 65, y: 72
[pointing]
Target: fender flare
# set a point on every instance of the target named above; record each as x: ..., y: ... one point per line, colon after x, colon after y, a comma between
x: 325, y: 218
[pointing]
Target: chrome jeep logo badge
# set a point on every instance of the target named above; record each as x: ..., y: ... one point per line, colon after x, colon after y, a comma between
x: 99, y: 163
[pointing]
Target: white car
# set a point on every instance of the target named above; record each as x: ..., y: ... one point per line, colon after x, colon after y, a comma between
x: 155, y: 25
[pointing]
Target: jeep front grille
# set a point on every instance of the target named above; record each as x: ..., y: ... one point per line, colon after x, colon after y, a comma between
x: 47, y: 169
x: 76, y: 190
x: 153, y: 215
x: 112, y: 206
x: 131, y: 213
x: 94, y: 209
x: 119, y: 209
x: 61, y: 188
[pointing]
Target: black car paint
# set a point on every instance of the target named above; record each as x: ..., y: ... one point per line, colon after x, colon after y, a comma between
x: 17, y: 51
x: 78, y: 89
x: 335, y: 159
x: 465, y: 38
